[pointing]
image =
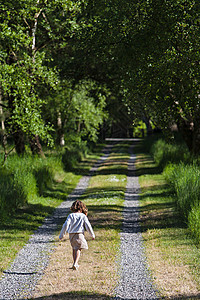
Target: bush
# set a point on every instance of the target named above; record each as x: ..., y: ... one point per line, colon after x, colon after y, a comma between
x: 44, y: 175
x: 74, y: 154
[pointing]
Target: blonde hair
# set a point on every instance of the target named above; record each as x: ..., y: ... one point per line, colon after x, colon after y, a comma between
x: 79, y: 206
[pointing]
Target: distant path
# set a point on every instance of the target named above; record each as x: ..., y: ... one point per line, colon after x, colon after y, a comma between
x: 20, y: 279
x: 135, y: 281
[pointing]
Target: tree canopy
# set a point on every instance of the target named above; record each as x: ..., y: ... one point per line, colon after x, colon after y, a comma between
x: 68, y: 67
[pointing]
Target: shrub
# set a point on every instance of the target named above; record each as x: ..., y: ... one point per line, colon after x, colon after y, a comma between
x: 169, y: 173
x: 74, y: 154
x: 43, y: 175
x: 186, y: 181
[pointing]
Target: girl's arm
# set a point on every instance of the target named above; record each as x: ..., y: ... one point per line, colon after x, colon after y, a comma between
x: 64, y: 228
x: 88, y: 227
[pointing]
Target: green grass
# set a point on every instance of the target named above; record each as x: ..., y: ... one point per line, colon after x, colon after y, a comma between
x: 173, y: 257
x: 16, y: 228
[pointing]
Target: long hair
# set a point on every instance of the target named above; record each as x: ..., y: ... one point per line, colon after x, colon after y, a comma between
x: 79, y: 206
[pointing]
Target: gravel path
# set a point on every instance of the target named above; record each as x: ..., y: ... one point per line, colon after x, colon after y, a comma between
x: 19, y: 280
x: 135, y: 281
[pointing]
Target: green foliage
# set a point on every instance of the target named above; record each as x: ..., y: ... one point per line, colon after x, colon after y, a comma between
x: 44, y: 172
x: 139, y: 129
x: 182, y: 172
x: 66, y: 59
x: 165, y: 153
x: 73, y: 154
x: 185, y: 180
x: 183, y: 175
x: 80, y: 109
x: 17, y: 185
x: 22, y: 178
x: 194, y: 222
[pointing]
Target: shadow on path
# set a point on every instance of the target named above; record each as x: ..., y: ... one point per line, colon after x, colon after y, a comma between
x: 83, y: 295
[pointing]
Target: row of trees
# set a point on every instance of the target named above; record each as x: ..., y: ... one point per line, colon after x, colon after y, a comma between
x: 69, y: 67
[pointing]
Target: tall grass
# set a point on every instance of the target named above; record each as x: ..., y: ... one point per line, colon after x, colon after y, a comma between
x: 183, y: 174
x: 185, y: 180
x: 165, y: 153
x: 22, y: 178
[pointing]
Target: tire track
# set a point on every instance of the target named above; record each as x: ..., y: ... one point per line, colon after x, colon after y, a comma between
x: 135, y: 280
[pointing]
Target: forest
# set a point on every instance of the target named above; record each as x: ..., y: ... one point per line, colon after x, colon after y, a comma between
x: 75, y: 71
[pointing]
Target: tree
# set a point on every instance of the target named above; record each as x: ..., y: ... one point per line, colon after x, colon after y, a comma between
x: 76, y: 110
x: 29, y: 31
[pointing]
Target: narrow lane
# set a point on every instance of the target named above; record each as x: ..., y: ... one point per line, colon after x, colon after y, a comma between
x: 135, y: 280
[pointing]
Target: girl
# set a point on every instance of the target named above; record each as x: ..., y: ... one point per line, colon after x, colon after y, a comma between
x: 75, y: 225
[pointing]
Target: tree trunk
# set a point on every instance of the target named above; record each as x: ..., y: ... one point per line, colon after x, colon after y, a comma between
x: 190, y: 132
x: 196, y: 137
x: 36, y: 147
x: 61, y: 139
x: 19, y: 142
x: 3, y: 129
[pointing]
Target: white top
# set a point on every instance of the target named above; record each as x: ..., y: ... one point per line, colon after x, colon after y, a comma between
x: 76, y: 223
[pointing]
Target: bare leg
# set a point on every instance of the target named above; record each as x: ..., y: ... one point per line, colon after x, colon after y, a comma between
x: 76, y: 255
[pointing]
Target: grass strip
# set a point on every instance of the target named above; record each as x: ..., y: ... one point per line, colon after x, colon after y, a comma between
x: 15, y: 230
x: 97, y: 275
x: 172, y: 255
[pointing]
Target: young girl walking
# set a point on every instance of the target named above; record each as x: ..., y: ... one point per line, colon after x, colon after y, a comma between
x: 75, y: 224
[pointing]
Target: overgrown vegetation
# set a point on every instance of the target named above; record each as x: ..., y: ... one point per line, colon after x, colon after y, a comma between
x: 23, y: 178
x: 182, y: 172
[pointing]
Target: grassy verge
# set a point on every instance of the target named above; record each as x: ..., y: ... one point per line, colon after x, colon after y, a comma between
x: 97, y: 275
x: 16, y: 229
x: 173, y: 258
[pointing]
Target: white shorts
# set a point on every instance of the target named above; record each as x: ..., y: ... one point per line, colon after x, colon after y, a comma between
x: 78, y: 241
